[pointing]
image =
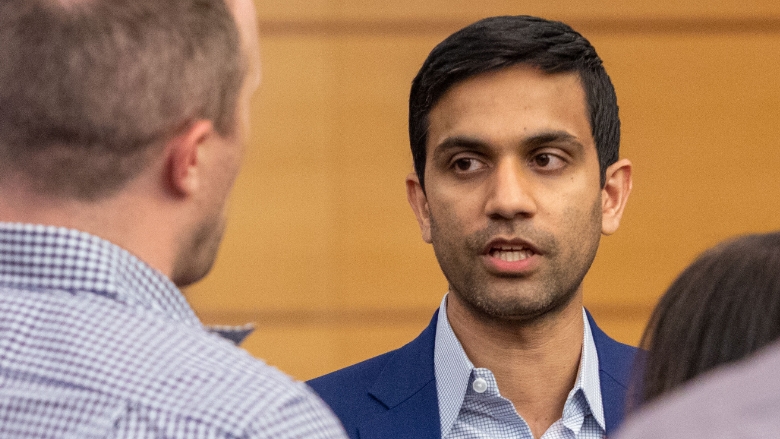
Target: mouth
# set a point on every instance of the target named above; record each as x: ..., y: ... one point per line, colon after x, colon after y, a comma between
x: 514, y: 256
x: 510, y: 249
x: 509, y: 253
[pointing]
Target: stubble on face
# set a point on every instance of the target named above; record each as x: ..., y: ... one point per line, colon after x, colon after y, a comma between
x: 567, y: 260
x: 199, y: 252
x: 511, y: 158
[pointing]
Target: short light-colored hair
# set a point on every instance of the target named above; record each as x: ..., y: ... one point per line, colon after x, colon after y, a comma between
x: 89, y: 87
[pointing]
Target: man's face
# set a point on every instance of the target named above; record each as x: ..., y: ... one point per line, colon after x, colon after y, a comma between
x: 200, y: 249
x: 512, y: 202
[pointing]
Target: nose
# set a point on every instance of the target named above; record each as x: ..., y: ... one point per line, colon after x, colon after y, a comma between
x: 510, y: 192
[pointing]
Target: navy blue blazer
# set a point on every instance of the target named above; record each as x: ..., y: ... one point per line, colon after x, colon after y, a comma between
x: 393, y: 396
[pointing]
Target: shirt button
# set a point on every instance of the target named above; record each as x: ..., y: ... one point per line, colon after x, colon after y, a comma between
x: 479, y: 385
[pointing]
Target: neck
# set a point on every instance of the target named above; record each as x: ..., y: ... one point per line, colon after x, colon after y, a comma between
x: 130, y: 221
x: 535, y: 362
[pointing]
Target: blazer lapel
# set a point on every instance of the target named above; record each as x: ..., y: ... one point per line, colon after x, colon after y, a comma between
x: 407, y: 387
x: 615, y: 365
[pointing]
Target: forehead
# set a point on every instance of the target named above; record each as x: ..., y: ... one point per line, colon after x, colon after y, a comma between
x: 509, y: 104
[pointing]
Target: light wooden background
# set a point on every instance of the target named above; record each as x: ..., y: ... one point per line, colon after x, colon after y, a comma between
x: 322, y: 250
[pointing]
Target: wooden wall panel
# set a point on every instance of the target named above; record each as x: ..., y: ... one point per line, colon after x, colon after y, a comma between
x: 307, y: 352
x: 699, y: 118
x: 322, y: 250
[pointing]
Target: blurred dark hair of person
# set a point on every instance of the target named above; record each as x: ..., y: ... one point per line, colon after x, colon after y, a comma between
x: 722, y: 308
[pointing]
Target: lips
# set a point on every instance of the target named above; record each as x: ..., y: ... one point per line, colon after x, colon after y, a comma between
x: 510, y: 255
x: 510, y: 249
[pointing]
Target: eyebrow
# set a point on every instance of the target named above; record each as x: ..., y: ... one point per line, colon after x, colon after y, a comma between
x: 464, y: 142
x: 532, y: 141
x: 553, y: 137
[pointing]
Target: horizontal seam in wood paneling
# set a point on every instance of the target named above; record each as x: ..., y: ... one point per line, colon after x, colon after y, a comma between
x: 318, y: 317
x: 398, y: 27
x: 324, y: 318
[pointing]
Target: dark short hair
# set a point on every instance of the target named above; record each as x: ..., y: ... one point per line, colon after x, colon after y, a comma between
x: 723, y: 307
x: 499, y: 42
x: 88, y: 88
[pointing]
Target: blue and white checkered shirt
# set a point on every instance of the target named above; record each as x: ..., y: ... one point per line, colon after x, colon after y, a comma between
x: 471, y: 406
x: 96, y: 344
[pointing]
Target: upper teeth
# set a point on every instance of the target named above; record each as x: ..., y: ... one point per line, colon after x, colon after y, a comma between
x: 510, y: 254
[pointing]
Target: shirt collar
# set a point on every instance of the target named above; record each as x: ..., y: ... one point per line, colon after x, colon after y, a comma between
x: 452, y: 368
x: 46, y: 257
x: 453, y: 371
x: 588, y: 376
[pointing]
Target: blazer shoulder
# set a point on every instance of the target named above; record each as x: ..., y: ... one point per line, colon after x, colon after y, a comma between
x: 346, y: 391
x: 362, y: 375
x: 357, y: 377
x: 374, y: 386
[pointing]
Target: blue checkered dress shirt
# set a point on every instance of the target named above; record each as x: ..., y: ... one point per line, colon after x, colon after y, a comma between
x: 471, y: 405
x: 96, y: 344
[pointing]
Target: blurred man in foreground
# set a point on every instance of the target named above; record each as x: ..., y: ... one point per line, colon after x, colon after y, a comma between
x: 122, y: 124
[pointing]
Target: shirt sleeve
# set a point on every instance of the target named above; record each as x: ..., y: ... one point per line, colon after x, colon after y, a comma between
x: 299, y: 414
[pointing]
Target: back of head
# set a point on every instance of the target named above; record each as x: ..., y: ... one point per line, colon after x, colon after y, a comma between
x: 90, y: 88
x: 723, y: 307
x: 499, y: 42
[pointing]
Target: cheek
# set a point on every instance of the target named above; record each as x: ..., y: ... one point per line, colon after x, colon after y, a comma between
x: 452, y: 227
x: 572, y: 213
x: 578, y: 194
x: 447, y: 219
x: 581, y: 223
x: 458, y: 205
x: 233, y: 160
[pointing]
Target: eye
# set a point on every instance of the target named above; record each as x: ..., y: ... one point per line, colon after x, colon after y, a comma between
x: 467, y: 164
x: 547, y: 161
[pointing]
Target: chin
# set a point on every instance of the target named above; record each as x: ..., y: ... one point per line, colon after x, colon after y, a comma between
x: 191, y: 275
x: 510, y: 307
x: 198, y: 256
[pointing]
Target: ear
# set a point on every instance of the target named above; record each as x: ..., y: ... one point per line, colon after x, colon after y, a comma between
x: 419, y: 202
x: 184, y: 157
x: 614, y: 195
